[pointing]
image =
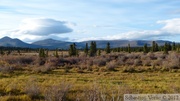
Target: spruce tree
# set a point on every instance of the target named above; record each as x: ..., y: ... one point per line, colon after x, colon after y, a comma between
x: 56, y: 53
x: 72, y: 50
x: 2, y: 52
x: 166, y: 48
x: 154, y: 46
x: 129, y: 48
x: 108, y: 49
x: 86, y: 49
x: 173, y: 46
x: 41, y: 52
x: 169, y: 47
x: 145, y: 48
x: 93, y: 49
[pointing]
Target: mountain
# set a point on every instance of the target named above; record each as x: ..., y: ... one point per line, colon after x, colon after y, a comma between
x: 53, y: 44
x: 124, y: 43
x: 9, y: 42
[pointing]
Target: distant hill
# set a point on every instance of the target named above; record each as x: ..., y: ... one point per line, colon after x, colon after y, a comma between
x: 53, y: 44
x: 124, y: 43
x: 9, y: 42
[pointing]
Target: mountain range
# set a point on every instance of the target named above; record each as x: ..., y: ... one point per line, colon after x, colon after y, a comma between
x: 53, y: 44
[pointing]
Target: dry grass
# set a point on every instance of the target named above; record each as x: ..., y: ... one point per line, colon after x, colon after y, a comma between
x: 102, y: 78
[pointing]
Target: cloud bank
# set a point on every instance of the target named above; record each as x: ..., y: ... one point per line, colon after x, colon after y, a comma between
x: 39, y: 28
x: 42, y: 27
x: 171, y: 28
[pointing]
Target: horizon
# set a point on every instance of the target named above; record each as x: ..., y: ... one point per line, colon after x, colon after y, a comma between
x: 77, y: 21
x: 88, y: 40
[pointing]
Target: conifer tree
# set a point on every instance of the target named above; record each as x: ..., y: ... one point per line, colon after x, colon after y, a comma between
x: 108, y: 49
x: 86, y: 49
x: 72, y: 50
x: 173, y: 46
x: 129, y: 48
x: 154, y: 46
x: 93, y: 49
x: 56, y: 53
x: 41, y: 53
x: 169, y: 47
x: 2, y: 52
x: 166, y: 48
x: 145, y: 48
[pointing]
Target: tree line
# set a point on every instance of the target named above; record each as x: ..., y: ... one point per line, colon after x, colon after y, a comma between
x: 92, y: 50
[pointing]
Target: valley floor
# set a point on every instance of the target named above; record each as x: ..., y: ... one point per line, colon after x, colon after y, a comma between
x: 85, y: 86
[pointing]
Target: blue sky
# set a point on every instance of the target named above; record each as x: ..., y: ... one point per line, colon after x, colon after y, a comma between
x: 79, y: 20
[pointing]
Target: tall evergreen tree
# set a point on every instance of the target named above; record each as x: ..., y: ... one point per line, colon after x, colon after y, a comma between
x: 173, y: 46
x: 41, y: 53
x: 145, y: 48
x: 129, y: 48
x: 56, y: 53
x: 93, y: 49
x: 2, y: 52
x: 108, y: 49
x: 72, y: 50
x: 154, y: 46
x: 169, y: 47
x: 86, y: 49
x: 166, y: 48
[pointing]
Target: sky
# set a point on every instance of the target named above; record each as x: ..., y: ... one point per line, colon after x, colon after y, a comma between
x: 81, y: 20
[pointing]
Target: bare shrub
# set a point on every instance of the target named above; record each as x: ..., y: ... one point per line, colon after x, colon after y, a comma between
x: 32, y: 89
x: 19, y: 59
x: 57, y: 92
x: 129, y: 69
x: 172, y: 61
x: 152, y: 56
x: 53, y: 61
x: 123, y: 58
x: 147, y: 62
x: 6, y: 68
x: 99, y: 62
x: 129, y: 62
x: 42, y: 69
x: 158, y: 62
x: 137, y: 62
x: 111, y: 65
x: 133, y: 56
x: 92, y: 93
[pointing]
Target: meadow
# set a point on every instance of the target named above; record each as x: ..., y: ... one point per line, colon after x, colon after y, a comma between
x: 27, y: 77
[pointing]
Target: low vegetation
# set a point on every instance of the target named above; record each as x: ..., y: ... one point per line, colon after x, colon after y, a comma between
x: 63, y: 76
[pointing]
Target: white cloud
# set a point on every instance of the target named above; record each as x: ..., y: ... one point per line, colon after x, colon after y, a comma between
x: 172, y: 26
x: 39, y: 28
x: 42, y: 27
